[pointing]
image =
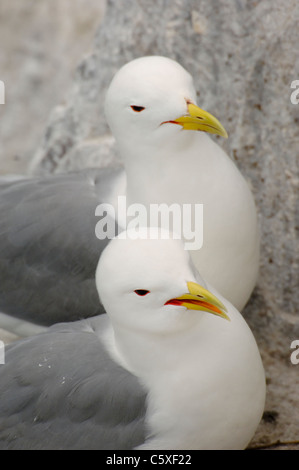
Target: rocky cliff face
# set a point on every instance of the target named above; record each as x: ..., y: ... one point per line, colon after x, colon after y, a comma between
x: 244, y: 57
x: 41, y: 45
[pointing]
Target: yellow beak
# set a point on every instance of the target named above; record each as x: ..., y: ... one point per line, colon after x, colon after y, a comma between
x: 199, y: 298
x: 200, y: 120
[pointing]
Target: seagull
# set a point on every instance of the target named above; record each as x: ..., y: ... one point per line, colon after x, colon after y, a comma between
x: 171, y: 365
x: 48, y: 245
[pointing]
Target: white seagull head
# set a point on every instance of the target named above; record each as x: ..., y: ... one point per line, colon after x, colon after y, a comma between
x: 152, y: 97
x: 149, y: 283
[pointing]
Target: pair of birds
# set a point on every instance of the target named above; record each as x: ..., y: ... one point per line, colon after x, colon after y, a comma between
x: 173, y: 364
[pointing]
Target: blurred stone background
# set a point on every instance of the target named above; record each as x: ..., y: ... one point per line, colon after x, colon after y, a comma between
x: 57, y: 59
x: 42, y: 42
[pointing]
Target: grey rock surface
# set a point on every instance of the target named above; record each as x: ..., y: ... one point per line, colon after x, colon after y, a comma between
x: 41, y: 45
x: 244, y: 57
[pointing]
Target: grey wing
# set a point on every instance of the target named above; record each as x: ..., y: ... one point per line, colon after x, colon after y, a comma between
x: 61, y: 390
x: 48, y: 248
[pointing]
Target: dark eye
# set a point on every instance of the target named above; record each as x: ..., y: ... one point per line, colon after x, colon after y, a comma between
x: 141, y: 292
x: 137, y: 109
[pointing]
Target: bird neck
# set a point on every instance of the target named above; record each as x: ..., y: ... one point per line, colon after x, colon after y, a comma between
x: 155, y: 166
x: 196, y: 379
x: 146, y: 354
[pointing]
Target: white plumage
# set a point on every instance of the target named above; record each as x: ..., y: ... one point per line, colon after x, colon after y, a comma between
x: 150, y: 110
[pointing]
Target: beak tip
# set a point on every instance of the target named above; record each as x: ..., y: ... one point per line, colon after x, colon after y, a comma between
x: 223, y: 133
